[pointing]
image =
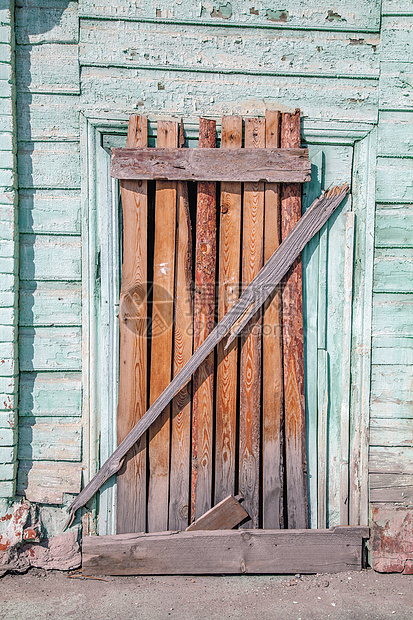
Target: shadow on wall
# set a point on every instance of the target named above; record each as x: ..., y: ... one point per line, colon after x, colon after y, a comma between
x: 38, y: 25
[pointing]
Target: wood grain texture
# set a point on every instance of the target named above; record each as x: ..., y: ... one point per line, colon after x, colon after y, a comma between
x: 225, y: 515
x: 249, y: 302
x: 293, y: 347
x: 228, y: 292
x: 161, y: 336
x: 179, y: 489
x: 209, y: 164
x: 132, y: 403
x: 250, y: 371
x: 204, y: 319
x: 231, y: 552
x: 272, y: 364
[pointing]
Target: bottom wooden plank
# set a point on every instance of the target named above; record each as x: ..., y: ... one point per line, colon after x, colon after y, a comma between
x: 225, y: 551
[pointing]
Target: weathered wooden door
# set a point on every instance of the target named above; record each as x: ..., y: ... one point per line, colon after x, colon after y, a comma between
x: 187, y: 254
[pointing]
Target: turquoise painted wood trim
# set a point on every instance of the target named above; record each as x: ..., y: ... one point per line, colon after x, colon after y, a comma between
x: 9, y: 255
x: 90, y: 314
x: 346, y: 368
x: 364, y: 209
x: 310, y: 323
x: 108, y: 208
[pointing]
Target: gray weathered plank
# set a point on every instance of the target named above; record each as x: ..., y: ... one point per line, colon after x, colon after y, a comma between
x: 391, y: 460
x: 391, y: 488
x: 225, y: 515
x: 232, y: 552
x: 210, y: 164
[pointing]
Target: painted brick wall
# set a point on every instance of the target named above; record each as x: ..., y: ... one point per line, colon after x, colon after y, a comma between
x: 391, y: 422
x: 47, y: 80
x: 9, y: 253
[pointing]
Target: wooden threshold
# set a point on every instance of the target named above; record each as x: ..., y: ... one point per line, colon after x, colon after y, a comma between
x: 211, y: 164
x: 226, y: 552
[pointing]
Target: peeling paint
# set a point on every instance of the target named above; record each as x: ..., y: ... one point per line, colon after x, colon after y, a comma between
x: 334, y: 17
x: 224, y: 11
x: 277, y: 16
x: 253, y: 11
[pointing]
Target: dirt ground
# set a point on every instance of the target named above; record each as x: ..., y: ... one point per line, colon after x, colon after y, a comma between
x: 346, y: 596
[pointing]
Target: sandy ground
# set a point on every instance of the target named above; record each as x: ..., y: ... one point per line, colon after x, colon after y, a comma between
x: 351, y: 596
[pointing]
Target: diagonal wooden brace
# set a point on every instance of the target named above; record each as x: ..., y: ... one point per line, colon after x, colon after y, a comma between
x: 236, y: 318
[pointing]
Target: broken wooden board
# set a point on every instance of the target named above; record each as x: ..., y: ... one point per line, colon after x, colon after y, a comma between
x: 210, y: 164
x: 226, y: 551
x: 224, y: 516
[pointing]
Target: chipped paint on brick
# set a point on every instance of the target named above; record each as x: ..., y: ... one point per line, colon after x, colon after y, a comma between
x: 391, y: 542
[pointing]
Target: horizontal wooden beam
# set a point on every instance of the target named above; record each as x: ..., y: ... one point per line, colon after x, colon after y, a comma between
x: 270, y: 165
x: 225, y: 551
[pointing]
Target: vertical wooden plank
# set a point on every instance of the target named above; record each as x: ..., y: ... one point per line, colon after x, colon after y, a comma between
x: 346, y: 368
x: 131, y: 479
x: 250, y: 378
x: 183, y: 337
x: 293, y: 347
x: 162, y: 332
x: 204, y: 315
x: 272, y: 364
x: 322, y: 442
x: 310, y: 323
x: 228, y: 292
x: 322, y: 380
